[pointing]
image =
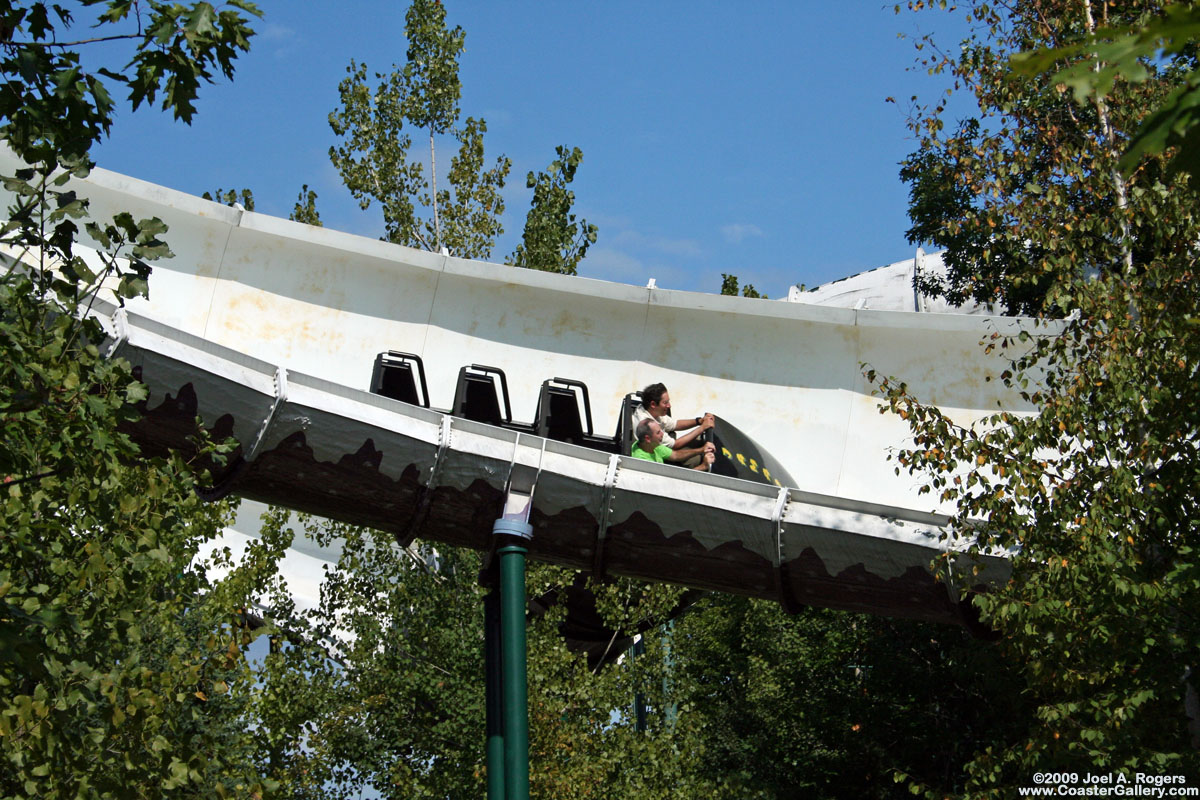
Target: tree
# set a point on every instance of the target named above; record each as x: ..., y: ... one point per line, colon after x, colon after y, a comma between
x: 1017, y: 193
x: 123, y: 668
x: 823, y: 704
x: 553, y: 240
x: 384, y: 688
x: 1110, y: 54
x: 431, y: 75
x: 475, y: 205
x: 383, y: 693
x: 56, y: 108
x: 305, y: 209
x: 729, y: 286
x: 372, y: 156
x: 231, y: 197
x: 373, y: 162
x: 1093, y: 495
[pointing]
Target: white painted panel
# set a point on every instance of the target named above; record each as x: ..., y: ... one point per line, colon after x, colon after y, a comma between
x: 535, y: 326
x: 787, y: 374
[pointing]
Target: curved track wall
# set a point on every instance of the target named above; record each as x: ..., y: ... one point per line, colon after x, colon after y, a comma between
x: 268, y: 330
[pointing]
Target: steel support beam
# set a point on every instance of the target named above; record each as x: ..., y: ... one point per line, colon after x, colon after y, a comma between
x: 511, y: 551
x: 494, y: 702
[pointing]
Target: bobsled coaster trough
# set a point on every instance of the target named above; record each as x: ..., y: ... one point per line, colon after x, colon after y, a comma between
x: 275, y: 333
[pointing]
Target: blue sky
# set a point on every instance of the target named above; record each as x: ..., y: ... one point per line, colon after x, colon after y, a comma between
x: 751, y: 138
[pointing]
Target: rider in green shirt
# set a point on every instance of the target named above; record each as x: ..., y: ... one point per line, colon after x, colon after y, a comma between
x: 649, y: 447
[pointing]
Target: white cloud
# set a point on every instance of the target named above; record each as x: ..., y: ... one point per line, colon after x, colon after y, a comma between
x: 661, y: 244
x: 284, y: 41
x: 739, y: 231
x: 498, y: 118
x: 609, y: 221
x: 278, y: 33
x: 610, y: 264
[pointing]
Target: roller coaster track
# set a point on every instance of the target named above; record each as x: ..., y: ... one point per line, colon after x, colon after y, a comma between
x: 269, y: 330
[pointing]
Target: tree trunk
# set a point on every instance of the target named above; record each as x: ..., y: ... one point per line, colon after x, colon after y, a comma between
x: 437, y: 225
x: 1110, y: 144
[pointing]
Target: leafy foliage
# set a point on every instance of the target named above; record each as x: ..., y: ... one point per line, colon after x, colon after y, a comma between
x: 383, y: 693
x: 833, y: 704
x: 431, y: 67
x: 1021, y: 191
x: 474, y: 206
x: 553, y: 240
x: 729, y: 286
x: 305, y: 209
x: 372, y: 156
x: 372, y: 159
x: 123, y: 668
x: 431, y: 74
x: 56, y: 108
x: 1094, y: 495
x: 381, y: 690
x: 244, y: 198
x: 1114, y: 53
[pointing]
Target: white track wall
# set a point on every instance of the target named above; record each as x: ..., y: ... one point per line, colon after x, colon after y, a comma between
x: 788, y: 374
x: 272, y: 327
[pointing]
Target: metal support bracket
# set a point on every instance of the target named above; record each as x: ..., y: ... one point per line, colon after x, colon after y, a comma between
x: 519, y: 488
x: 120, y: 324
x: 947, y: 574
x: 425, y: 498
x: 606, y: 500
x: 281, y: 388
x: 444, y: 435
x: 783, y: 583
x: 224, y: 486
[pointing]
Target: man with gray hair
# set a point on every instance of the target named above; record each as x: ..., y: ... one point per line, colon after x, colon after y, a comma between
x: 649, y: 447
